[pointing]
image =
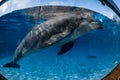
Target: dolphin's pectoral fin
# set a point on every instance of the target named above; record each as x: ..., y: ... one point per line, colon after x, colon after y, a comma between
x: 11, y: 65
x: 66, y: 47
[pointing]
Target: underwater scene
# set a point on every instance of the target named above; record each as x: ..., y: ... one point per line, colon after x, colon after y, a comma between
x: 59, y: 42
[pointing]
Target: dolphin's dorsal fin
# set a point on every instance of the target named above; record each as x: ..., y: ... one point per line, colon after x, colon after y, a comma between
x: 66, y: 47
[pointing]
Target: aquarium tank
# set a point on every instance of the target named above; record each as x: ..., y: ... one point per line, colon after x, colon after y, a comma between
x: 59, y: 39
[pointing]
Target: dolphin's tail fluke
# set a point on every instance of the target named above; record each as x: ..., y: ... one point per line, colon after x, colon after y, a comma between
x: 11, y: 65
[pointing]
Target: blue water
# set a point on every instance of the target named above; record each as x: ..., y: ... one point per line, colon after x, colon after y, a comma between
x: 47, y: 65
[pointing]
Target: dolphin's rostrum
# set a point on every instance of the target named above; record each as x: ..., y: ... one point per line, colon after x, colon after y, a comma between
x: 61, y: 29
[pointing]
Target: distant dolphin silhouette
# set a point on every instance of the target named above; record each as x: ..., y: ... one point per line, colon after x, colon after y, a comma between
x: 62, y: 27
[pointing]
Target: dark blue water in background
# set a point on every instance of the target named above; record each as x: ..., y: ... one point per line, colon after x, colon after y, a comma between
x: 13, y: 28
x: 94, y: 55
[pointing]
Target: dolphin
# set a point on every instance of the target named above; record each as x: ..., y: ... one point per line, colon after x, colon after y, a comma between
x: 62, y: 28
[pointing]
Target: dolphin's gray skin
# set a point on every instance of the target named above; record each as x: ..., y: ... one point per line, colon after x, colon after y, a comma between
x: 62, y: 28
